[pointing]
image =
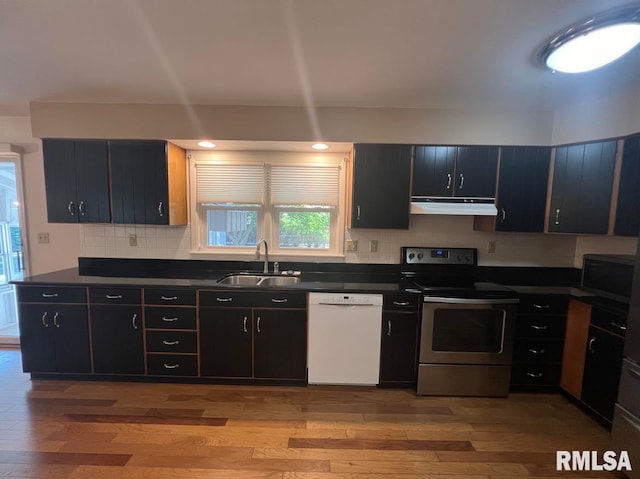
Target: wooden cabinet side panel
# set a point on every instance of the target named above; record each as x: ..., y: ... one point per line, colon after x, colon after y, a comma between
x: 177, y: 175
x: 575, y: 347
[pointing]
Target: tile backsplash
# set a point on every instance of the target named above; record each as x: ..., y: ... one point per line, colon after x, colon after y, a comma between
x: 174, y: 242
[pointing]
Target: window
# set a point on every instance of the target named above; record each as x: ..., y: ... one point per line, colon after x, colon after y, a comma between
x: 292, y: 200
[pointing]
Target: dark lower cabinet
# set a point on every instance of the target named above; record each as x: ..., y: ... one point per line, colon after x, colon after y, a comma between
x: 54, y: 338
x: 280, y: 344
x: 117, y: 339
x: 398, y: 355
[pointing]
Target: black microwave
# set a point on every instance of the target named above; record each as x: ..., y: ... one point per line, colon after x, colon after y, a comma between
x: 608, y: 275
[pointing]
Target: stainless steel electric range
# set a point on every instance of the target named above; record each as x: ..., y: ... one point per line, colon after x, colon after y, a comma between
x: 468, y: 325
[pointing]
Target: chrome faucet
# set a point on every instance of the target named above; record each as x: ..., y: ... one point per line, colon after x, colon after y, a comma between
x: 266, y: 254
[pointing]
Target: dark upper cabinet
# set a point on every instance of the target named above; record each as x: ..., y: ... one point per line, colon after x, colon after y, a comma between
x: 522, y: 188
x: 143, y: 181
x: 381, y: 186
x: 461, y: 171
x: 628, y: 209
x: 582, y: 187
x: 76, y: 180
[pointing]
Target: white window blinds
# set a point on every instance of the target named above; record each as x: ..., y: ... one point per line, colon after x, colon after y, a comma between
x: 231, y: 184
x: 305, y: 185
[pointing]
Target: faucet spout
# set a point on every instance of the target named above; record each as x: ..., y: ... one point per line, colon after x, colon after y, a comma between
x: 266, y: 254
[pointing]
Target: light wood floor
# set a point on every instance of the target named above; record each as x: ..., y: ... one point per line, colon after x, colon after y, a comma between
x: 100, y: 430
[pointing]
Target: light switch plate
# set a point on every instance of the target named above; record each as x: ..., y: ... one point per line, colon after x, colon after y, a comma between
x: 491, y: 247
x: 373, y: 246
x: 43, y: 238
x: 133, y: 240
x: 352, y: 245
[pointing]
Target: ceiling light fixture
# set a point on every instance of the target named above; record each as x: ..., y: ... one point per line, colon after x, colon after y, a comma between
x: 319, y: 146
x: 206, y: 144
x: 593, y: 43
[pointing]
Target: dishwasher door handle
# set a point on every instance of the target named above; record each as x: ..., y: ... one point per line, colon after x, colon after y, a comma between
x: 346, y: 304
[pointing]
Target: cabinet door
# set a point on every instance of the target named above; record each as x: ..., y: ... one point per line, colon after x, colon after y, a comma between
x: 60, y: 180
x: 433, y: 170
x: 582, y: 186
x: 476, y: 170
x: 116, y: 333
x: 139, y: 182
x: 522, y: 188
x: 280, y: 344
x: 398, y: 356
x: 36, y: 337
x: 381, y: 182
x: 71, y: 335
x: 628, y: 210
x: 225, y: 342
x: 92, y: 181
x: 602, y: 371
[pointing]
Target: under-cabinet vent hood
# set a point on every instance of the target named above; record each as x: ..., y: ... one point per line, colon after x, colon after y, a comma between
x: 421, y: 205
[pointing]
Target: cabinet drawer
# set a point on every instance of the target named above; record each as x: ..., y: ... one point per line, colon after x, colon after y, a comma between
x: 401, y: 301
x: 170, y: 296
x: 549, y: 304
x: 538, y: 351
x: 536, y: 374
x: 157, y: 317
x: 609, y: 321
x: 115, y: 295
x: 172, y: 341
x: 172, y: 365
x: 540, y: 327
x: 257, y: 299
x: 629, y: 395
x: 51, y: 294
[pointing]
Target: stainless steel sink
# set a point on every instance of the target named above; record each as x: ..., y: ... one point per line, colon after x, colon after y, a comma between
x: 258, y: 280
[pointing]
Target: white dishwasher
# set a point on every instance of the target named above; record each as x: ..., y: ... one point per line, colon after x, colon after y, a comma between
x: 344, y: 338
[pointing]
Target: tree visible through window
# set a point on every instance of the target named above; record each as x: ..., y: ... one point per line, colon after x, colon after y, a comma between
x: 305, y: 229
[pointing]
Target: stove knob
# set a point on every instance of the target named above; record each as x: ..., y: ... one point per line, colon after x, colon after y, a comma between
x: 468, y: 259
x: 420, y: 255
x: 460, y: 258
x: 411, y: 256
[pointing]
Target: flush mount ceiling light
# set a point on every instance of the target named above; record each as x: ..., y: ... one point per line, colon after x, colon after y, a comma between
x: 319, y: 146
x: 206, y: 144
x: 593, y: 43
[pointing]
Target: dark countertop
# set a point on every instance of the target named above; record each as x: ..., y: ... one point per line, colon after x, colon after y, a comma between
x: 544, y: 290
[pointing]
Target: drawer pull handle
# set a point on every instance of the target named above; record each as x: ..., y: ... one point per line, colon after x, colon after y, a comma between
x: 277, y: 300
x: 388, y: 327
x: 171, y: 366
x: 224, y: 300
x: 70, y: 208
x: 619, y: 326
x: 168, y: 298
x: 170, y: 343
x: 535, y: 375
x: 401, y: 303
x: 537, y: 351
x: 113, y: 296
x: 633, y: 374
x: 591, y: 341
x: 539, y: 328
x: 244, y: 324
x: 169, y: 320
x: 541, y: 306
x: 44, y: 317
x: 258, y: 324
x: 49, y: 295
x: 55, y: 320
x: 133, y: 321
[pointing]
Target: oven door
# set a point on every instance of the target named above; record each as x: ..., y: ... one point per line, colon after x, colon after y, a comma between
x: 467, y: 331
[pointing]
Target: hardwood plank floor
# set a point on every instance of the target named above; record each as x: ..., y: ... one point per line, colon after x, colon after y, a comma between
x: 110, y: 430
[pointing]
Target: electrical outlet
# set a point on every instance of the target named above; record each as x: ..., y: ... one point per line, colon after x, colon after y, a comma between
x: 43, y: 238
x: 133, y: 240
x: 491, y: 247
x: 352, y: 245
x: 373, y: 246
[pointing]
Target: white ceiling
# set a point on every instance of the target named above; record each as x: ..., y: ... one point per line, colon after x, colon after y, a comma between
x: 452, y: 54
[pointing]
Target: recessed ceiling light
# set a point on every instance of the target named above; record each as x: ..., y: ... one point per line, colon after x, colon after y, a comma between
x: 206, y: 144
x: 319, y: 146
x: 593, y: 43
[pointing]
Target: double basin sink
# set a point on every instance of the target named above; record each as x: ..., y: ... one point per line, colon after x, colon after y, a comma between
x: 258, y: 280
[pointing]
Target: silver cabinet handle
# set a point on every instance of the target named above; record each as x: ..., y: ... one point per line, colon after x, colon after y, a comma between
x: 591, y: 341
x: 461, y: 181
x: 49, y: 295
x: 169, y: 320
x: 113, y: 296
x: 388, y: 327
x: 619, y: 326
x: 244, y: 324
x: 224, y: 300
x: 170, y: 343
x: 401, y: 303
x: 258, y: 324
x: 43, y: 319
x: 277, y: 300
x: 168, y: 298
x: 55, y: 320
x: 82, y: 208
x: 448, y: 181
x: 171, y: 366
x: 70, y: 208
x: 536, y: 351
x: 557, y: 222
x: 535, y: 375
x: 358, y: 212
x: 541, y: 306
x: 539, y: 328
x: 504, y: 215
x: 133, y: 321
x: 160, y: 209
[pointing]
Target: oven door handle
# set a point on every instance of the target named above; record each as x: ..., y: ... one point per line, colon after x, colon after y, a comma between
x: 438, y: 299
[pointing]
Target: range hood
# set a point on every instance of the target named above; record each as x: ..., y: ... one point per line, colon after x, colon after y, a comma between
x: 421, y: 205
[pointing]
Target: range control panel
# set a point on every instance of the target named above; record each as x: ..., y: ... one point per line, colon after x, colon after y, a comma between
x: 452, y: 256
